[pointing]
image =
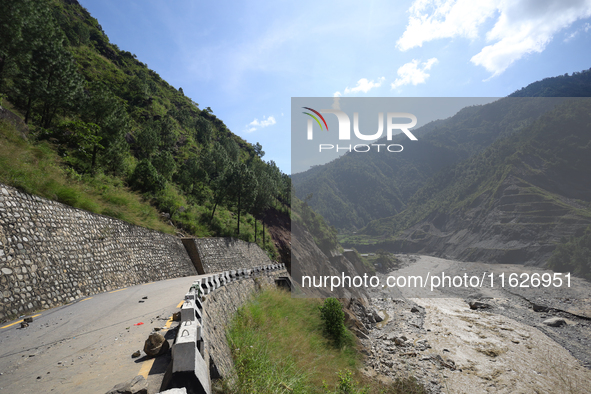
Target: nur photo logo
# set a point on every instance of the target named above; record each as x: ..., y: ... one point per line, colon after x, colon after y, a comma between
x: 391, y: 124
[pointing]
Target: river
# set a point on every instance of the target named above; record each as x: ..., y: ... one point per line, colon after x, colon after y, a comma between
x: 503, y: 346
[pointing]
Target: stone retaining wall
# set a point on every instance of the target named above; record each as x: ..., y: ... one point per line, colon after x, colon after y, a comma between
x: 51, y: 254
x: 222, y: 254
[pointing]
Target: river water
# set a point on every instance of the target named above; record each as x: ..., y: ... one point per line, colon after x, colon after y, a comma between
x: 503, y: 347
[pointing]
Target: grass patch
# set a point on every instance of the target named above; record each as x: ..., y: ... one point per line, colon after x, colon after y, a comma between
x: 279, y: 346
x: 37, y: 169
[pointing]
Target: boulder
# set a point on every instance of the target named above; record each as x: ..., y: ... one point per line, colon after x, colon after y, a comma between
x: 554, y: 322
x: 139, y: 385
x: 377, y: 317
x: 422, y: 344
x: 156, y: 345
x: 445, y: 363
x: 388, y: 363
x: 478, y: 305
x: 391, y: 336
x: 539, y: 308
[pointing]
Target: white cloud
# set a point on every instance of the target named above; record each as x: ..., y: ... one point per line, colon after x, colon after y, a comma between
x: 585, y: 28
x: 364, y: 85
x: 256, y: 124
x: 521, y: 27
x: 337, y: 94
x: 413, y: 73
x: 572, y: 35
x: 433, y: 19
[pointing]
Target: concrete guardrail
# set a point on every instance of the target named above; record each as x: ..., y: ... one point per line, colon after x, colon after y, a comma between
x: 189, y: 347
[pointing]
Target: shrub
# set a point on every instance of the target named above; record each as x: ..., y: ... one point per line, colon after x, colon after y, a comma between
x: 145, y: 178
x: 333, y: 317
x: 346, y: 385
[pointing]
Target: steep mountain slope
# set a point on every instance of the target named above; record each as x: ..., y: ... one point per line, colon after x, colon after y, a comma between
x: 503, y: 182
x: 359, y: 187
x: 107, y: 115
x: 511, y: 203
x: 316, y: 253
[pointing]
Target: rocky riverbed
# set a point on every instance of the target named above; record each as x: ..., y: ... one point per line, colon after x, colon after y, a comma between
x: 483, y: 340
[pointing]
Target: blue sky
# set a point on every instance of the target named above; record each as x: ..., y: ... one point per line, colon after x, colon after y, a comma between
x: 246, y: 60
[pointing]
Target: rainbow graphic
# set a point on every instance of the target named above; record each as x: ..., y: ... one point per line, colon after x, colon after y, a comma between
x: 315, y: 118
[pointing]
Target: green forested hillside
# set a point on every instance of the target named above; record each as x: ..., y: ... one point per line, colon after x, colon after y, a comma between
x: 115, y: 124
x: 578, y: 84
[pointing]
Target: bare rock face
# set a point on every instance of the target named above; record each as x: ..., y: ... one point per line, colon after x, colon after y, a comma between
x: 310, y: 260
x: 156, y: 345
x: 354, y: 324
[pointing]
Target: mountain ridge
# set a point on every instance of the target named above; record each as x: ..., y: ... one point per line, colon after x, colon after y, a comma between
x: 514, y: 202
x: 394, y: 179
x: 453, y: 196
